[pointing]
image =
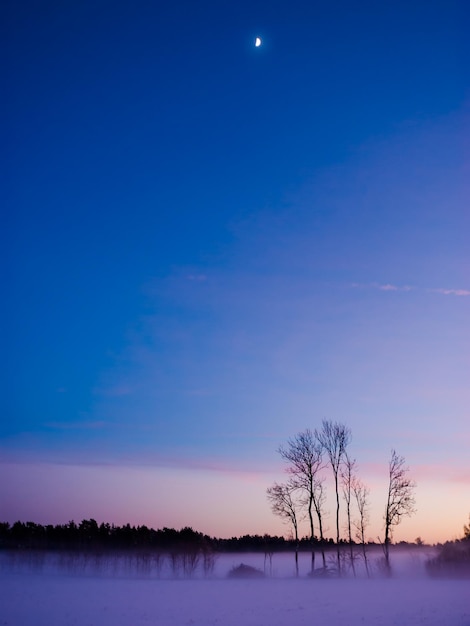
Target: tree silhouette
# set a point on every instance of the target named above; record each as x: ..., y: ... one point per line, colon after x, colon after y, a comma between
x: 319, y: 498
x: 304, y: 456
x: 400, y: 499
x: 334, y: 439
x: 361, y: 494
x: 285, y: 506
x: 347, y: 480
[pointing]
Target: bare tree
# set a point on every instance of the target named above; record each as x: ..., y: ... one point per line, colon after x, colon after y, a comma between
x: 361, y: 494
x: 347, y: 479
x: 334, y: 439
x: 304, y: 455
x: 285, y: 506
x: 319, y: 498
x: 400, y: 499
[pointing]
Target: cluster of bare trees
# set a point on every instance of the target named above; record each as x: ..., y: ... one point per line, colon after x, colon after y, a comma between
x: 303, y: 495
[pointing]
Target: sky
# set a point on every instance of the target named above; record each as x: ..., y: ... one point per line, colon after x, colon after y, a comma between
x: 209, y: 247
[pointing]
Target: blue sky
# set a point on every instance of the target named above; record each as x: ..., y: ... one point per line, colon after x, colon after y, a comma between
x: 210, y: 246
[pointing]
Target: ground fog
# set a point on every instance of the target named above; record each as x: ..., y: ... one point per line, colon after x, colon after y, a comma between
x: 48, y: 593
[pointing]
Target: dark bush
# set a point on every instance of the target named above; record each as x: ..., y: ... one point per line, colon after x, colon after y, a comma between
x: 452, y: 560
x: 245, y: 571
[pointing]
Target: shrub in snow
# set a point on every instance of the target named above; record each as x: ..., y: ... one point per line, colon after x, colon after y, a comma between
x: 245, y: 571
x: 452, y: 560
x: 323, y: 572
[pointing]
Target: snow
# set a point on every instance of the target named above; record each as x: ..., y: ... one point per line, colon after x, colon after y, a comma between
x: 58, y: 598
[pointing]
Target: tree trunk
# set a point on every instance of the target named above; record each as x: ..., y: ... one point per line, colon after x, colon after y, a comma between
x: 296, y: 531
x: 387, y: 546
x: 337, y: 525
x: 351, y: 550
x: 312, y: 534
x: 322, y: 540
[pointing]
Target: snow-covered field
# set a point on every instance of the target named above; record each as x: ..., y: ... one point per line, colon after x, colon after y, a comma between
x: 45, y: 597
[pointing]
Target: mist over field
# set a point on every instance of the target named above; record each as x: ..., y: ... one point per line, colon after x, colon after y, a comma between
x: 114, y: 590
x: 407, y: 562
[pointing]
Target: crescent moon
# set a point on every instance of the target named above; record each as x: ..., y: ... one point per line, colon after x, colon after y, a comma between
x: 257, y: 42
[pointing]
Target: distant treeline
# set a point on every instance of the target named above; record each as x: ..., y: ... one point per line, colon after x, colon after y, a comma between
x: 89, y: 535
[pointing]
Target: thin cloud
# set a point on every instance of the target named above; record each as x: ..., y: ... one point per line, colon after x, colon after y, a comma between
x: 391, y: 287
x: 199, y: 393
x: 90, y: 425
x: 388, y: 287
x: 200, y: 278
x: 177, y: 462
x: 382, y: 286
x: 374, y: 471
x: 451, y: 292
x: 442, y: 472
x: 116, y: 391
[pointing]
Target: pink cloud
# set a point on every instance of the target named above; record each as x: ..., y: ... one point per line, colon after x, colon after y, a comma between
x: 241, y: 469
x: 452, y: 292
x: 382, y: 286
x: 420, y: 472
x: 441, y: 472
x: 391, y: 287
x: 388, y: 287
